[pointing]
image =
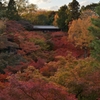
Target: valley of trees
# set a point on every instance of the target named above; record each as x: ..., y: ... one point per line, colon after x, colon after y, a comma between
x: 62, y: 65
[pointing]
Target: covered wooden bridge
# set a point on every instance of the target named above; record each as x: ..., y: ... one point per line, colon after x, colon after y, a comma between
x: 45, y: 28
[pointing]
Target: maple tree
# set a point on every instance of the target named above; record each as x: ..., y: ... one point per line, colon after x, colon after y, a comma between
x: 22, y: 46
x: 8, y: 53
x: 79, y: 76
x: 62, y: 46
x: 30, y: 72
x: 13, y: 27
x: 3, y: 81
x: 30, y: 86
x: 49, y: 69
x: 27, y: 41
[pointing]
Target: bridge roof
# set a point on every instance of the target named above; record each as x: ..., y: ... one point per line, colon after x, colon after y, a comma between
x: 45, y: 27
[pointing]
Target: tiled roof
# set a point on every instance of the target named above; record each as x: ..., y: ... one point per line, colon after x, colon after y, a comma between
x: 45, y: 27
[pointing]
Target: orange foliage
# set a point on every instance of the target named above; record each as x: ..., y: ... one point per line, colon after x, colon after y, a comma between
x: 78, y: 32
x: 3, y: 81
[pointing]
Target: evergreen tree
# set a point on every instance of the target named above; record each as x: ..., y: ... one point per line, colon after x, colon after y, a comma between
x: 74, y: 10
x: 62, y: 16
x: 50, y: 17
x: 2, y: 10
x: 90, y: 6
x: 12, y: 12
x: 95, y: 31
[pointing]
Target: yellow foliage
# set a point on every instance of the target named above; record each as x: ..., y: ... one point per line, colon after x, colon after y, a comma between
x: 29, y: 73
x: 78, y: 32
x: 55, y: 20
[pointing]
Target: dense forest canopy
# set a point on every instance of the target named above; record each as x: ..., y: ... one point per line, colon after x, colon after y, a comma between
x: 48, y: 65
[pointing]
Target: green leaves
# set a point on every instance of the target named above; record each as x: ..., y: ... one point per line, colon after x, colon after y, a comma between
x: 98, y: 10
x: 62, y: 16
x: 95, y: 31
x: 12, y: 12
x: 74, y: 10
x: 95, y: 51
